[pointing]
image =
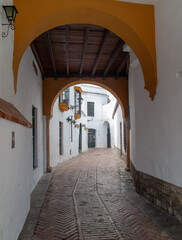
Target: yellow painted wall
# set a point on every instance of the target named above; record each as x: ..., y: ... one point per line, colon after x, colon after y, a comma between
x: 134, y: 23
x: 52, y: 89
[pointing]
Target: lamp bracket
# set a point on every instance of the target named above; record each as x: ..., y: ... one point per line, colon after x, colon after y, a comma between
x: 10, y: 25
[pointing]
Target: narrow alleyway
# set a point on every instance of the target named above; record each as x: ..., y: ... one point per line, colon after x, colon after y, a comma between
x: 85, y: 201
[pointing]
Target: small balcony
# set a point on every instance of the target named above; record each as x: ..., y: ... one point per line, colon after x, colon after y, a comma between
x: 78, y: 102
x: 64, y: 101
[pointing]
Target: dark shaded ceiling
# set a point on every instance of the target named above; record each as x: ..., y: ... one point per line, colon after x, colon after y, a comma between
x: 80, y: 50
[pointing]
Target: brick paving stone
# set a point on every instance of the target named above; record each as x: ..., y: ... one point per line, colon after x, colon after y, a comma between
x: 85, y: 201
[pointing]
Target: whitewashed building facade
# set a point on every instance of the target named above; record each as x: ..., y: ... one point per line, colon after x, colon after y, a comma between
x: 71, y: 134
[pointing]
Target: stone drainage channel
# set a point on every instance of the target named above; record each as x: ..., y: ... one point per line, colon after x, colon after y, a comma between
x: 92, y: 197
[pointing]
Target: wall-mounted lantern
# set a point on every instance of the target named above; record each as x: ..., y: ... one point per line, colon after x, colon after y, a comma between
x: 69, y: 119
x: 72, y: 121
x: 11, y: 12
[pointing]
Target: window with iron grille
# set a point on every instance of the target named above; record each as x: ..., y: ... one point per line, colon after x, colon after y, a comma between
x: 34, y: 136
x: 90, y: 109
x: 64, y: 97
x: 60, y: 138
x: 78, y: 99
x: 125, y: 136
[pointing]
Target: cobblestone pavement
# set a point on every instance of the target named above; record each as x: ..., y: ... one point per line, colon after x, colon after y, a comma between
x: 85, y: 201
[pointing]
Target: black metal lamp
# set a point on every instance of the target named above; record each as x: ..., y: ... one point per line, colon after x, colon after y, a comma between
x: 11, y: 12
x: 69, y: 119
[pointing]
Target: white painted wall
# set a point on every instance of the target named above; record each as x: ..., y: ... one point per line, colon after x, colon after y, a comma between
x: 117, y: 120
x: 108, y: 111
x: 70, y: 149
x: 102, y: 113
x: 17, y: 178
x: 6, y: 57
x: 158, y: 132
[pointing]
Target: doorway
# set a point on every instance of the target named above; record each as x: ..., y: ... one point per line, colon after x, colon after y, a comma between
x: 91, y: 138
x: 108, y: 137
x: 80, y: 139
x: 121, y: 143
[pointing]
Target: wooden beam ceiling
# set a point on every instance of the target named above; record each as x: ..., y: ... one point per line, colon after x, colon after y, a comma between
x: 105, y: 38
x: 115, y: 53
x: 80, y: 50
x: 84, y: 50
x: 122, y: 65
x: 67, y: 52
x: 49, y: 45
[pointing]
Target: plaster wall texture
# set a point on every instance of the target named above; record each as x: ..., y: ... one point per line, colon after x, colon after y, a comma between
x: 17, y: 178
x: 158, y: 132
x: 70, y: 149
x: 117, y: 120
x: 108, y: 109
x: 30, y: 94
x: 132, y: 132
x: 6, y: 57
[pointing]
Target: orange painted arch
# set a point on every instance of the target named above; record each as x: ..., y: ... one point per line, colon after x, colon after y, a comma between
x: 52, y: 89
x: 134, y: 23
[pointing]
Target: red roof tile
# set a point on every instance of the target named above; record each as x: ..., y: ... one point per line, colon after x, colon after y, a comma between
x: 10, y: 112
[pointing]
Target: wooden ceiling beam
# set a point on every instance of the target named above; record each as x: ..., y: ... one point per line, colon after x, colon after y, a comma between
x: 84, y: 75
x: 117, y: 50
x: 67, y: 52
x: 105, y: 38
x: 49, y: 45
x: 32, y: 45
x: 84, y: 50
x: 122, y: 65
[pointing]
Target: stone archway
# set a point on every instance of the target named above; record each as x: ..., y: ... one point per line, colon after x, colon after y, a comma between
x: 134, y: 23
x: 52, y: 89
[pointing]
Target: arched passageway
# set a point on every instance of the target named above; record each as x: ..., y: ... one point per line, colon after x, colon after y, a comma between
x: 77, y: 54
x: 96, y: 117
x: 156, y: 150
x: 91, y: 132
x: 123, y: 19
x: 126, y: 20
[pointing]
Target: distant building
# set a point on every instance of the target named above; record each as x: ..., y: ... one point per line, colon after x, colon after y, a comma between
x: 82, y: 119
